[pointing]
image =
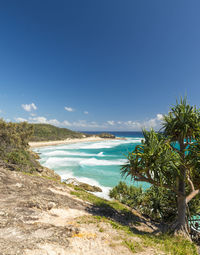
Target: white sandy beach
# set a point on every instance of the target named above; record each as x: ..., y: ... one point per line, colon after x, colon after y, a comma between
x: 69, y: 141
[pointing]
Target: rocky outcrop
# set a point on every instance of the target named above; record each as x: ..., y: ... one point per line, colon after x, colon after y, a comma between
x: 107, y: 135
x: 36, y: 214
x: 83, y: 185
x: 49, y: 173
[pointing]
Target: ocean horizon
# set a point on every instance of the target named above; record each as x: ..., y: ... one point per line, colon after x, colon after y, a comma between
x: 96, y: 163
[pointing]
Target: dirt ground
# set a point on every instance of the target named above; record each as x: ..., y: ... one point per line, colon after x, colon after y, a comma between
x: 40, y: 217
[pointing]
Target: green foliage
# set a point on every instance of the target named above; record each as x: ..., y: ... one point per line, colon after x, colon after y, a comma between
x: 13, y: 135
x: 159, y: 204
x: 154, y: 161
x: 47, y: 132
x: 182, y: 122
x: 128, y: 195
x: 14, y: 138
x: 171, y: 160
x: 156, y: 202
x: 173, y: 245
x: 153, y: 202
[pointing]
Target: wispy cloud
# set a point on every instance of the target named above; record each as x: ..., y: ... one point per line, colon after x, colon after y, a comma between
x: 86, y: 112
x: 138, y: 125
x: 19, y: 119
x: 129, y: 125
x: 29, y: 107
x: 69, y: 109
x: 41, y: 119
x: 111, y: 122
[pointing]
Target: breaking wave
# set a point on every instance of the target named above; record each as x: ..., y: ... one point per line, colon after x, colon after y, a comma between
x: 60, y: 162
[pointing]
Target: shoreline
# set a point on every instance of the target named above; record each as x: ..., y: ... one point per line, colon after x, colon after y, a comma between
x: 71, y: 141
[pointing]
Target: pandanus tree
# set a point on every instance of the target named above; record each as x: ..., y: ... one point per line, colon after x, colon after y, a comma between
x: 171, y: 158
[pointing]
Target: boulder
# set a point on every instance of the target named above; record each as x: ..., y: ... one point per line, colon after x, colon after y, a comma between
x: 83, y: 185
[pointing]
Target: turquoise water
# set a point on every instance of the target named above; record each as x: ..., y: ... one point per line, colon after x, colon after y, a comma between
x: 96, y: 163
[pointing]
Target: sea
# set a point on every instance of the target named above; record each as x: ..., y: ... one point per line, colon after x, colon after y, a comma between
x: 96, y: 163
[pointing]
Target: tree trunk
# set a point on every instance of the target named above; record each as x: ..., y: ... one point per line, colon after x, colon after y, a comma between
x: 181, y: 219
x: 181, y: 226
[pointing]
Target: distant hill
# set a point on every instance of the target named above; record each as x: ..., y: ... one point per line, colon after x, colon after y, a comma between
x: 47, y: 132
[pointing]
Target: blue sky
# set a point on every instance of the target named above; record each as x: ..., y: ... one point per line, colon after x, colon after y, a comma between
x: 98, y: 65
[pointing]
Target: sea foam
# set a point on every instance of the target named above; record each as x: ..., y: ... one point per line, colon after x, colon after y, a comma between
x: 98, y: 162
x: 60, y: 162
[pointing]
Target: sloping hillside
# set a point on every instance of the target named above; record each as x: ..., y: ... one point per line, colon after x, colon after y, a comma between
x: 39, y: 216
x: 47, y: 132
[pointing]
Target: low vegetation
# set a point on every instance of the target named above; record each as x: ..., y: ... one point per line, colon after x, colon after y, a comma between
x: 156, y: 202
x: 14, y: 152
x: 128, y: 223
x: 47, y: 132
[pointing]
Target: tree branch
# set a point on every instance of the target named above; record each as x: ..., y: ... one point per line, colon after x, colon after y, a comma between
x: 148, y: 179
x: 192, y: 195
x: 191, y: 183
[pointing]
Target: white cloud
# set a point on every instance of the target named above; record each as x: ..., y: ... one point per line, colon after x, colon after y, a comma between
x: 139, y: 125
x: 82, y: 124
x: 159, y: 116
x: 66, y: 123
x: 111, y: 122
x: 128, y: 125
x: 86, y: 112
x: 69, y: 109
x: 29, y: 107
x: 38, y: 119
x: 41, y: 119
x: 44, y: 120
x: 19, y: 119
x: 54, y: 122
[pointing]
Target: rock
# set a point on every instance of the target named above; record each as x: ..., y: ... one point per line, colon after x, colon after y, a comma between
x: 72, y: 181
x: 83, y: 185
x: 46, y: 172
x: 51, y: 205
x: 107, y: 135
x: 90, y: 188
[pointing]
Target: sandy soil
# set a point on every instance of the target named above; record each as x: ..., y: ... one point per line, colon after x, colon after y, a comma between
x: 69, y: 141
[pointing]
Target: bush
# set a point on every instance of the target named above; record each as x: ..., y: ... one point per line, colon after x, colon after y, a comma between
x: 158, y: 203
x: 14, y: 138
x: 128, y: 195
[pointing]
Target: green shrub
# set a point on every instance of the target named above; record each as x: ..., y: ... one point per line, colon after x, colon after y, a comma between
x: 47, y: 132
x: 14, y: 138
x: 129, y: 195
x: 156, y: 202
